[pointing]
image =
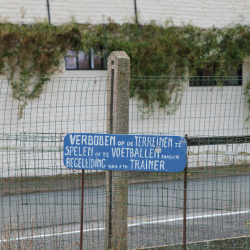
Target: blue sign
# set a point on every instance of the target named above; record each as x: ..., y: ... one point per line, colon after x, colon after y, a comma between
x: 158, y: 153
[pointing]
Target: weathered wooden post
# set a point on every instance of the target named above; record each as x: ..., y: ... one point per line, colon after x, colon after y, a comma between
x: 117, y: 123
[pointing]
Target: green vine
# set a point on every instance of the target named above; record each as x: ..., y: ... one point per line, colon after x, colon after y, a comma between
x: 37, y: 50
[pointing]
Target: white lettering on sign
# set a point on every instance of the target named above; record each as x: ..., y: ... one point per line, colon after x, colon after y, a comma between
x: 79, y: 151
x: 87, y: 140
x: 125, y: 152
x: 85, y: 163
x: 147, y: 165
x: 134, y: 152
x: 143, y: 141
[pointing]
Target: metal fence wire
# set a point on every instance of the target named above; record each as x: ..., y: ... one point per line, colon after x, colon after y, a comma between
x: 40, y: 198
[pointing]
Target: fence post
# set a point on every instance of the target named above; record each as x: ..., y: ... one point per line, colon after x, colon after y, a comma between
x: 117, y: 123
x: 185, y: 203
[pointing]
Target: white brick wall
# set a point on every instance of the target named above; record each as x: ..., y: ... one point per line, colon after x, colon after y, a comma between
x: 205, y: 14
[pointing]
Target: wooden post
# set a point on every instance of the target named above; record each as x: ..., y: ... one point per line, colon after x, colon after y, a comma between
x: 117, y: 123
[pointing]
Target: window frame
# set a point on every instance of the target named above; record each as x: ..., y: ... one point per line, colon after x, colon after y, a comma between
x: 200, y: 78
x: 91, y: 56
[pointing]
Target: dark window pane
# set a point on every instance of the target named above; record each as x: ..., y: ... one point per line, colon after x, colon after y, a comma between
x: 207, y: 76
x: 233, y: 77
x: 203, y: 77
x: 207, y: 72
x: 195, y: 81
x: 97, y: 62
x: 71, y: 60
x: 232, y: 81
x: 105, y: 60
x: 83, y: 60
x: 207, y: 81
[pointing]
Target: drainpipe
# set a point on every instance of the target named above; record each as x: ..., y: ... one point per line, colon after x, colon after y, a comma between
x: 135, y: 13
x: 49, y: 11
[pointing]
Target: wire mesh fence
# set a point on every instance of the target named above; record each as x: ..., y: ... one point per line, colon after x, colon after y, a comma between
x: 40, y: 198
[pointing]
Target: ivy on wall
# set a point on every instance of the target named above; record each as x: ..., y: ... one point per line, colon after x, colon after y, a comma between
x: 36, y: 50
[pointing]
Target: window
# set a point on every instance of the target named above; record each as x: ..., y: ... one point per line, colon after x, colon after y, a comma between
x: 206, y: 77
x: 80, y: 60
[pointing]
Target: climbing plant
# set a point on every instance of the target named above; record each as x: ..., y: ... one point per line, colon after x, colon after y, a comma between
x: 36, y: 50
